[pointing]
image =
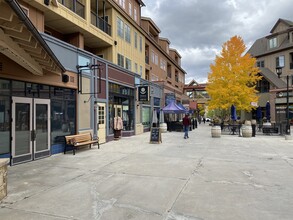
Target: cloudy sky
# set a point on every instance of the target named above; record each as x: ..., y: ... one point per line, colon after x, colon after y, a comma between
x: 197, y: 29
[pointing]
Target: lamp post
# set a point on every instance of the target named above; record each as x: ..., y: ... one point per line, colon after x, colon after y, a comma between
x: 279, y: 73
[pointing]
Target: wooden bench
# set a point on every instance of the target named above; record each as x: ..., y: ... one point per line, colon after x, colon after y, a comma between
x: 78, y: 140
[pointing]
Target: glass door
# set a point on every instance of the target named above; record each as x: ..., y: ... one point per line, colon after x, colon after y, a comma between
x: 30, y: 129
x: 21, y: 130
x: 42, y: 128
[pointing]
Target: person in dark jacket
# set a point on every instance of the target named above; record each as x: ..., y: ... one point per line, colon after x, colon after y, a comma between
x: 186, y: 123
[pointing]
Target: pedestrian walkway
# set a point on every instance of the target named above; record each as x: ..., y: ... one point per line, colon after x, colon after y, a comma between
x: 180, y: 179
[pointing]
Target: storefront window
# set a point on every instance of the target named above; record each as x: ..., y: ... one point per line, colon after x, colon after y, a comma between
x: 62, y: 113
x: 146, y: 115
x: 121, y: 103
x: 4, y: 116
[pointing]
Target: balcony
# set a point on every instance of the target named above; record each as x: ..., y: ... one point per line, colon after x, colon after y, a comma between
x: 74, y: 6
x: 101, y: 24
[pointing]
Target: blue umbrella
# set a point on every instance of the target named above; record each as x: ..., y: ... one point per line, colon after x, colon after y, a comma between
x: 258, y: 113
x: 233, y: 113
x: 268, y: 110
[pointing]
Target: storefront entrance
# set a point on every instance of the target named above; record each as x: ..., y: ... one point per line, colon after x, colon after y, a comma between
x: 30, y: 129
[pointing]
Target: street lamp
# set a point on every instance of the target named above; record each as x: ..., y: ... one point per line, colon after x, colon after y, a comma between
x: 279, y: 73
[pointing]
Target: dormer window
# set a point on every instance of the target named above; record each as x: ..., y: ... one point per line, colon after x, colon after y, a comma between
x: 273, y: 42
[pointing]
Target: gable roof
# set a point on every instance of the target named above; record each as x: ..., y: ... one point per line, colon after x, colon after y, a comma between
x: 280, y: 20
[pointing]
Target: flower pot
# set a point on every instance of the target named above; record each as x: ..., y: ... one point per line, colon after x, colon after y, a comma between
x: 246, y: 131
x: 216, y: 131
x: 163, y: 127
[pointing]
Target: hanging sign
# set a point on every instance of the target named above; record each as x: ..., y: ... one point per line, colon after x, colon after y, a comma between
x: 143, y: 93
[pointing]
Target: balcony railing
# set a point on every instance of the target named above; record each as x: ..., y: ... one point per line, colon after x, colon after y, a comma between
x: 74, y: 6
x: 100, y: 23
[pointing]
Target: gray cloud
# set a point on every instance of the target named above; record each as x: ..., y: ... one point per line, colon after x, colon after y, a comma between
x: 197, y: 29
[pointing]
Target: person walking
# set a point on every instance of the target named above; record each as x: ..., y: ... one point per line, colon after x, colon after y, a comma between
x: 186, y: 123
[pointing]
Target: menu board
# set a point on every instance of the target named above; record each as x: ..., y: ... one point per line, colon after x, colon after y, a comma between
x: 156, y: 137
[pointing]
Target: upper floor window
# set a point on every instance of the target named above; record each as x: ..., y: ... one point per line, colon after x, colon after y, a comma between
x: 273, y: 42
x: 163, y: 64
x: 130, y: 9
x: 280, y: 61
x: 120, y: 25
x: 153, y: 56
x: 122, y: 3
x: 128, y: 64
x: 136, y: 68
x: 140, y: 70
x: 140, y: 43
x: 291, y: 61
x: 135, y: 14
x: 127, y: 33
x: 135, y: 39
x: 120, y: 60
x: 260, y: 63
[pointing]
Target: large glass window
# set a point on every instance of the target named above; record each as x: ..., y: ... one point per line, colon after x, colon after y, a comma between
x: 146, y: 114
x: 5, y: 115
x: 121, y: 102
x: 62, y: 113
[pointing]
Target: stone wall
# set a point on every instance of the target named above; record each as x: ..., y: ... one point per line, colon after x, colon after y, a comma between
x: 3, y: 178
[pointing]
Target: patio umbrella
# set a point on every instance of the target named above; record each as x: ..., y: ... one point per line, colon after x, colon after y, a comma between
x: 233, y: 113
x: 268, y: 111
x: 155, y: 118
x: 258, y: 113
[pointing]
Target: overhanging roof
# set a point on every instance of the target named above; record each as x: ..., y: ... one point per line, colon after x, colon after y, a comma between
x: 21, y: 41
x: 272, y: 78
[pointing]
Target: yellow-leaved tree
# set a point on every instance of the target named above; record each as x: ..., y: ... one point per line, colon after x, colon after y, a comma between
x: 233, y: 78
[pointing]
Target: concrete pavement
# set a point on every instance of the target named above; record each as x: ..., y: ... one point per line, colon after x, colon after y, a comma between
x: 180, y: 179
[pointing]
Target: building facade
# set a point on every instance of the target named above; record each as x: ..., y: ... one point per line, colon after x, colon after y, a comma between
x: 275, y: 51
x: 69, y: 67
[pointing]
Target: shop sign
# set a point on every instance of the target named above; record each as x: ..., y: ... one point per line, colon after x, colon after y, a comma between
x: 143, y: 93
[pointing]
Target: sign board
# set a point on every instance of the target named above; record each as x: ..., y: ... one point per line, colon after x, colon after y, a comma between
x: 156, y: 137
x: 143, y: 93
